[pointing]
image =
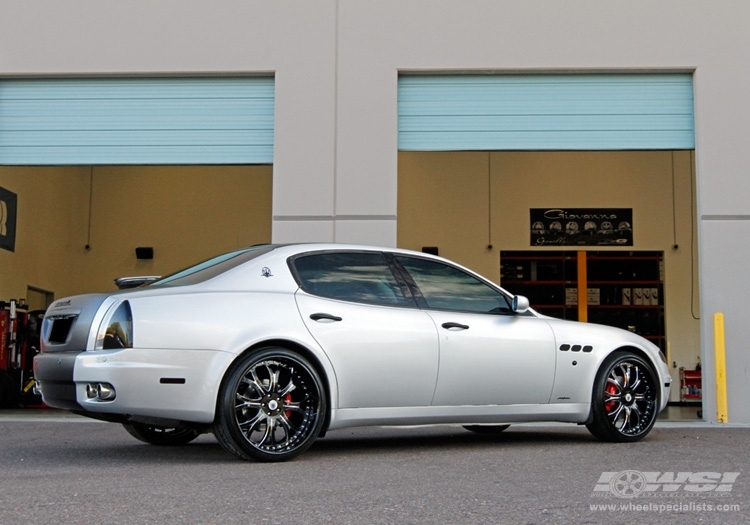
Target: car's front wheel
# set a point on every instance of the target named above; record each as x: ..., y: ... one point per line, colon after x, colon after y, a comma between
x: 271, y: 406
x: 161, y: 436
x: 625, y: 398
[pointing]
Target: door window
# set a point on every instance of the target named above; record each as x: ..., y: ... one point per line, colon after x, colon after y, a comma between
x: 445, y: 287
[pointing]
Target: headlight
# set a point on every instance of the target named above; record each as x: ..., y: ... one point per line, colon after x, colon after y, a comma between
x: 117, y: 329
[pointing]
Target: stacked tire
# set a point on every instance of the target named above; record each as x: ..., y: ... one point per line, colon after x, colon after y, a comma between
x: 10, y: 395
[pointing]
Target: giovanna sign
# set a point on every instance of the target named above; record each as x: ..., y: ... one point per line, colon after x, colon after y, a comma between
x: 581, y: 226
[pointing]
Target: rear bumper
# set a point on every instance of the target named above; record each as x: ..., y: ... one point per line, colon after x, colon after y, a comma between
x: 178, y: 385
x: 55, y: 372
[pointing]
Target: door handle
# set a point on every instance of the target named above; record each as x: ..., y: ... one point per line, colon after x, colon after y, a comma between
x: 449, y: 326
x: 324, y: 317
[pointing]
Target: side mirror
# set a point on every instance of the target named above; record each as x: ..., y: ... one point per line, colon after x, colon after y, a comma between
x: 520, y: 304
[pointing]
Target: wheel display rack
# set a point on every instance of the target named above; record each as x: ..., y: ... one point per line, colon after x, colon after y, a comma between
x: 622, y: 288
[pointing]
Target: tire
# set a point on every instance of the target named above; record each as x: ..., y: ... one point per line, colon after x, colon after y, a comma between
x: 10, y: 395
x: 164, y: 437
x: 486, y: 429
x: 271, y: 406
x: 625, y: 399
x: 5, y: 385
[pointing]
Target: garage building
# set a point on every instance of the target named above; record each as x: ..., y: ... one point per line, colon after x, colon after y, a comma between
x: 198, y: 129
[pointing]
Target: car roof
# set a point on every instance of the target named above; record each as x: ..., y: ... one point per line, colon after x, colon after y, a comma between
x: 221, y: 270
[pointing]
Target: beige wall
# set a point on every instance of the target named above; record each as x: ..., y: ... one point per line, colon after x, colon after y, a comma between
x: 50, y: 229
x: 464, y: 201
x: 186, y: 213
x: 443, y: 201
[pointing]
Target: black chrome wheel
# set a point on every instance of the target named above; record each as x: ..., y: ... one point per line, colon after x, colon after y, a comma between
x: 161, y: 436
x: 625, y: 399
x: 271, y: 406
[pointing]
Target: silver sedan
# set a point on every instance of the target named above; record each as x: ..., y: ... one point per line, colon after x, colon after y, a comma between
x: 271, y: 346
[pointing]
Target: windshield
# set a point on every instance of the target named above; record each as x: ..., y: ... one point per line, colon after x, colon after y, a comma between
x: 212, y: 267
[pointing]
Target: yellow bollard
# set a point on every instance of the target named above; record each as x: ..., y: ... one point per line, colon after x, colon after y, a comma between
x: 720, y: 363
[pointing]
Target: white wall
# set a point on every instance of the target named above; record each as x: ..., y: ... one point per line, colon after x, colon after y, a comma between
x: 336, y: 65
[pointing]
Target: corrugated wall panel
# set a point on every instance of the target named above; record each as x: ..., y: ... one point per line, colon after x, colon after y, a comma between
x: 137, y: 121
x: 545, y: 112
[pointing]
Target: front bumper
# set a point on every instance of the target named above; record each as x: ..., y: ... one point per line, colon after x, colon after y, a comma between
x: 666, y: 384
x: 664, y: 395
x: 157, y: 383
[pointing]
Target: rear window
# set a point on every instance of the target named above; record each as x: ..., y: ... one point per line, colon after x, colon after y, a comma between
x: 362, y: 277
x: 212, y: 267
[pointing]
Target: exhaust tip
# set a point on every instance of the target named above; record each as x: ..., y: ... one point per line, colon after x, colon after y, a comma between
x: 105, y: 391
x: 100, y: 391
x: 91, y: 391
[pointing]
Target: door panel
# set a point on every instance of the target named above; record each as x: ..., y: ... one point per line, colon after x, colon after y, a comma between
x: 490, y: 359
x: 383, y: 356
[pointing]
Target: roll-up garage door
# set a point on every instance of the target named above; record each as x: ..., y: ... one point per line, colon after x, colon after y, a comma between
x: 137, y: 121
x: 545, y: 112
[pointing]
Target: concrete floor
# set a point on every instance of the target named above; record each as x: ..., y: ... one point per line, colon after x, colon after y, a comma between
x: 680, y: 413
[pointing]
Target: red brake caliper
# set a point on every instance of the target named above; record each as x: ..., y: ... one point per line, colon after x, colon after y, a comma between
x: 287, y: 399
x: 610, y: 405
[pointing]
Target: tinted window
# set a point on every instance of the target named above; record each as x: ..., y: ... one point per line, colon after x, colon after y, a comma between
x: 363, y: 277
x: 447, y: 288
x: 212, y: 267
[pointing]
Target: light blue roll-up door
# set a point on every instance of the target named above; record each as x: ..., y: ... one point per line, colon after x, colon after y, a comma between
x: 137, y: 121
x: 545, y: 112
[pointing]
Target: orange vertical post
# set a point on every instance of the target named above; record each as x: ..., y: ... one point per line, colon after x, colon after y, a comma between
x: 583, y: 285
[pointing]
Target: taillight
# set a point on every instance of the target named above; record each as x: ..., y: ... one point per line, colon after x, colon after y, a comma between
x: 117, y: 329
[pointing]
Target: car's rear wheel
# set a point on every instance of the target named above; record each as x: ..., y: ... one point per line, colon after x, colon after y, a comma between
x: 271, y: 406
x: 625, y: 398
x: 486, y: 429
x: 161, y: 436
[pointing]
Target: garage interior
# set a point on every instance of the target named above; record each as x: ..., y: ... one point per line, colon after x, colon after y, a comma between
x: 472, y: 205
x: 78, y: 227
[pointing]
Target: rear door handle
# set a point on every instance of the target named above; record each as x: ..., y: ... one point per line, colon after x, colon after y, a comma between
x: 459, y: 326
x: 324, y: 317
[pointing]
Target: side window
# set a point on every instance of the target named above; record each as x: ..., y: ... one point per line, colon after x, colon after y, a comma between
x: 447, y: 288
x: 362, y: 277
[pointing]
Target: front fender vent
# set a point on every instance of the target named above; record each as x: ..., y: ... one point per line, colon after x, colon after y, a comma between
x: 576, y: 348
